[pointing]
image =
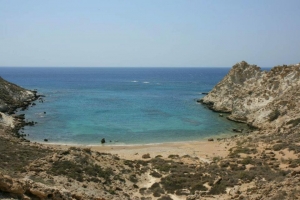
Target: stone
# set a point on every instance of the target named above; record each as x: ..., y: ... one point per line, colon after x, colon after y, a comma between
x: 218, y: 180
x: 237, y: 130
x: 25, y: 197
x: 183, y: 192
x: 6, y: 183
x: 17, y: 187
x: 210, y: 139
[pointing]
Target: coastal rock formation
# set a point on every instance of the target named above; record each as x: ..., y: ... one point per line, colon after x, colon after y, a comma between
x: 18, y: 187
x: 13, y: 96
x: 262, y: 99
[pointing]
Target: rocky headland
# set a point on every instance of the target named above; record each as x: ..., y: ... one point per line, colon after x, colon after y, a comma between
x: 267, y: 100
x: 263, y: 163
x: 13, y: 98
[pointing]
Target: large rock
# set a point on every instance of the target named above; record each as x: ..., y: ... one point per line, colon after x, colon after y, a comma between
x: 18, y: 187
x: 259, y: 98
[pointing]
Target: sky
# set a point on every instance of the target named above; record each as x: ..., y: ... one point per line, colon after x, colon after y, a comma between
x: 149, y: 33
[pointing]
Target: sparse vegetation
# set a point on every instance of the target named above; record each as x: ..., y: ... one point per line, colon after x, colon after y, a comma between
x: 155, y: 174
x: 15, y: 157
x: 173, y: 156
x: 133, y: 178
x: 80, y: 170
x: 234, y: 152
x: 157, y: 190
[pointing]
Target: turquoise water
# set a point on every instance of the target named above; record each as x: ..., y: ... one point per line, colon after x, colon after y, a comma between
x: 122, y: 105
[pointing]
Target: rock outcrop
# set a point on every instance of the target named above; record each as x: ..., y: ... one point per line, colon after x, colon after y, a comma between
x: 18, y: 188
x: 262, y: 99
x: 13, y: 96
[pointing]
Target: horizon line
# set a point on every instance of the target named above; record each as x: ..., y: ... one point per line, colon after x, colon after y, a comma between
x: 120, y: 66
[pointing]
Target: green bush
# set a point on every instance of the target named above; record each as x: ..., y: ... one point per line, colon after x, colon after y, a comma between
x: 280, y: 146
x: 218, y: 189
x: 155, y: 174
x: 246, y: 161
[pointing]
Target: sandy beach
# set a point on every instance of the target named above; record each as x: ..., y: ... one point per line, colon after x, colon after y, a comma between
x: 204, y: 150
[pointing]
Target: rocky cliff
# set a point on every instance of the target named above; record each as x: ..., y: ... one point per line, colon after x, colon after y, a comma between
x: 262, y: 99
x: 11, y: 98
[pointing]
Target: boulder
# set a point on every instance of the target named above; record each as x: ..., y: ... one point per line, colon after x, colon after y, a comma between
x: 5, y: 183
x: 237, y: 130
x: 20, y: 187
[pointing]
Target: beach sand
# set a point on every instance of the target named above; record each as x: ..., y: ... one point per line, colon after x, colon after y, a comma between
x: 204, y: 150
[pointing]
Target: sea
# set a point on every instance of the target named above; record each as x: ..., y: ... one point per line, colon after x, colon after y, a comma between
x: 126, y: 106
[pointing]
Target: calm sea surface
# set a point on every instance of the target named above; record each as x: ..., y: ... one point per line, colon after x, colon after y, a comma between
x: 122, y: 105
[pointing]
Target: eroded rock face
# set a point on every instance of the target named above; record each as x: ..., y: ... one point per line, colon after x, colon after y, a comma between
x: 18, y: 188
x: 259, y: 98
x: 12, y: 96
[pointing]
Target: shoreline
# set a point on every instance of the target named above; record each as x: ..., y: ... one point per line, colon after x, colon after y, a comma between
x: 202, y: 149
x: 222, y: 136
x: 116, y: 144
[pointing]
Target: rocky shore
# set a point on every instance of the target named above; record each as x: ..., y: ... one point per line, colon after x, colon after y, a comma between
x: 264, y: 100
x: 12, y: 99
x: 261, y: 164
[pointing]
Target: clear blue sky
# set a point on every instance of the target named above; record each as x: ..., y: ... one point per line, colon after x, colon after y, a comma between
x: 167, y: 33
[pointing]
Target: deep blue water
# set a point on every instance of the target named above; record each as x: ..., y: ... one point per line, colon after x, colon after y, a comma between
x: 124, y: 105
